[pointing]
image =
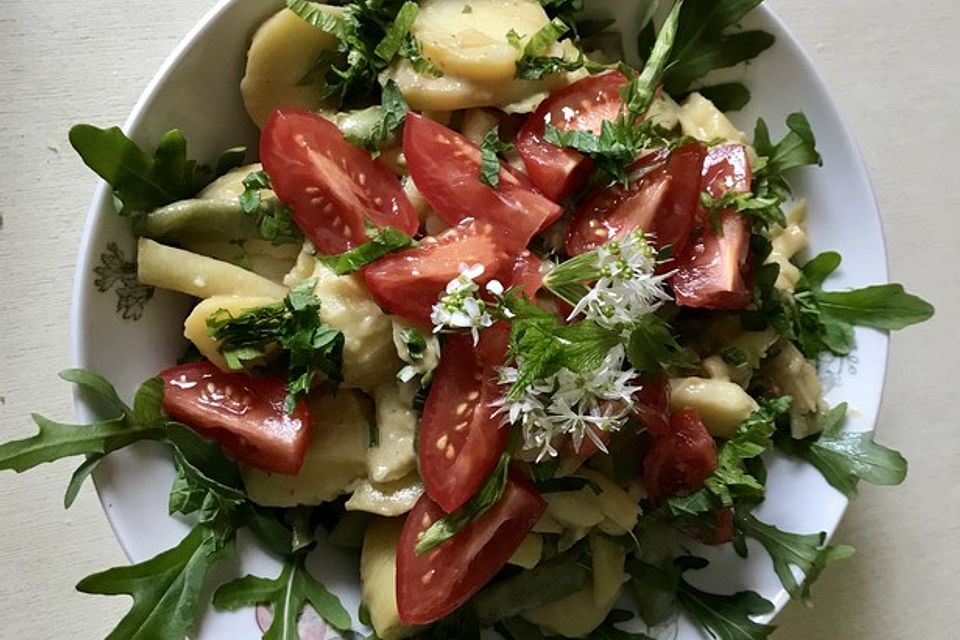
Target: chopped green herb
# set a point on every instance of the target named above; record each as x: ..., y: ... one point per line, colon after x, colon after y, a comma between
x: 652, y: 347
x: 382, y: 242
x: 292, y: 325
x: 491, y: 148
x: 273, y: 217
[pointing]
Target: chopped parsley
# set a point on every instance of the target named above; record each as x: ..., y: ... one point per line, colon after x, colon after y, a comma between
x: 491, y: 149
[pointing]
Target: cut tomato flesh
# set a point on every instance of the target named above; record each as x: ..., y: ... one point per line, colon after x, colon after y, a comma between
x: 409, y: 283
x: 680, y: 461
x: 662, y: 201
x: 583, y: 106
x: 713, y: 272
x: 436, y: 583
x: 244, y: 415
x: 446, y: 166
x: 332, y: 187
x: 460, y: 438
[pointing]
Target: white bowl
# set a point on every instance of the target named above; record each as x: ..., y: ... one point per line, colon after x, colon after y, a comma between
x: 197, y: 90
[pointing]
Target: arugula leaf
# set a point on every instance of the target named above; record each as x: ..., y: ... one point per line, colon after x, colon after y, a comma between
x: 58, y: 440
x: 609, y: 631
x: 294, y: 325
x: 846, y: 458
x: 491, y: 148
x: 287, y: 595
x: 382, y: 242
x: 731, y: 483
x: 706, y: 41
x: 885, y: 306
x: 807, y: 552
x: 652, y: 347
x: 798, y: 148
x: 166, y: 588
x: 273, y: 217
x: 726, y: 617
x: 486, y: 497
x: 141, y: 182
x: 638, y: 94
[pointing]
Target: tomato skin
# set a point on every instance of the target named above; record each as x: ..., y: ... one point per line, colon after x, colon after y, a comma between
x: 718, y: 532
x: 330, y: 185
x: 663, y: 201
x: 438, y: 582
x: 679, y: 462
x: 652, y: 405
x: 244, y: 415
x: 410, y: 282
x: 460, y: 438
x: 445, y: 166
x: 583, y: 105
x: 713, y: 273
x: 526, y: 274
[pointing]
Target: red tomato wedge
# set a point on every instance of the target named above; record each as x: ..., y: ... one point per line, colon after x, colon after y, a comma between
x: 460, y: 439
x: 409, y: 283
x: 445, y: 166
x: 245, y: 415
x: 331, y: 186
x: 526, y: 274
x: 680, y: 461
x: 583, y: 106
x: 712, y: 273
x: 652, y: 405
x: 662, y: 200
x: 432, y: 585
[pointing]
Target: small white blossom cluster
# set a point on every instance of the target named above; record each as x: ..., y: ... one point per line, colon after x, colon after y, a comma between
x: 627, y: 287
x: 571, y: 404
x: 461, y: 308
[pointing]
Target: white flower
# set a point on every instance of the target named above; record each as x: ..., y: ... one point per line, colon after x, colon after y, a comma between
x: 459, y: 308
x: 570, y: 404
x: 628, y: 287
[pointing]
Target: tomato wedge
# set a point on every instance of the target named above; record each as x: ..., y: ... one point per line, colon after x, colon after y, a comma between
x: 245, y: 415
x: 331, y: 186
x: 409, y: 283
x: 460, y: 439
x: 526, y: 274
x: 662, y: 200
x: 432, y: 585
x: 713, y: 272
x: 583, y: 106
x: 680, y: 461
x: 652, y: 405
x: 445, y: 166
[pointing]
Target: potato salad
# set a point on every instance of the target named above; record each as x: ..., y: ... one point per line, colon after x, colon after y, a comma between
x: 504, y: 304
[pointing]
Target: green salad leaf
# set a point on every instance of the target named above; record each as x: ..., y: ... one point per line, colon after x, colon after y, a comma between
x: 142, y: 182
x: 727, y: 617
x: 807, y: 552
x: 166, y: 588
x: 491, y: 149
x: 382, y: 242
x: 707, y: 39
x: 653, y: 348
x: 846, y: 458
x: 287, y: 594
x: 273, y: 217
x: 293, y: 325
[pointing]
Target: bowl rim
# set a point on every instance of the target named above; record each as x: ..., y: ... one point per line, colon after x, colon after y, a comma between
x: 79, y: 354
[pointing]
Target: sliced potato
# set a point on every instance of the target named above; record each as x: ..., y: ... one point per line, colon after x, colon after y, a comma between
x: 529, y: 552
x: 574, y: 509
x: 608, y: 576
x: 394, y: 456
x: 700, y: 119
x: 451, y: 92
x: 615, y: 503
x: 369, y: 356
x: 199, y: 276
x: 388, y: 499
x: 284, y: 50
x: 722, y: 405
x: 335, y: 461
x: 378, y: 577
x: 229, y: 186
x: 472, y: 43
x: 195, y: 326
x: 790, y: 373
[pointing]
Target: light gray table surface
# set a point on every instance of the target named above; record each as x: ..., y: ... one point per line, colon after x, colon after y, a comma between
x: 894, y: 67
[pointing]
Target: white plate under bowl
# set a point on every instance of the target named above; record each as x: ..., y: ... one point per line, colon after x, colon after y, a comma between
x: 197, y: 90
